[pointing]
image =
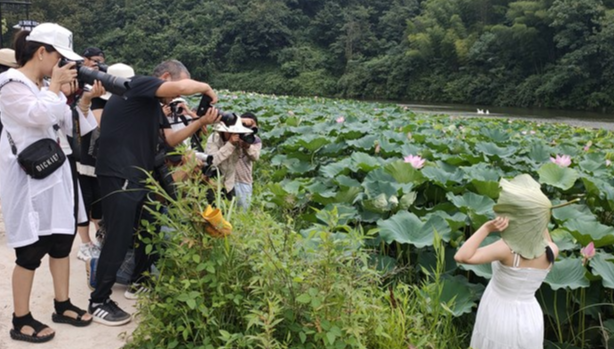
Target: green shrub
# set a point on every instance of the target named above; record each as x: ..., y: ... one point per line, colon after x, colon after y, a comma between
x: 266, y: 286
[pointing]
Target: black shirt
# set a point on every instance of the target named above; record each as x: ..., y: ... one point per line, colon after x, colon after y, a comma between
x: 129, y: 131
x: 89, y: 150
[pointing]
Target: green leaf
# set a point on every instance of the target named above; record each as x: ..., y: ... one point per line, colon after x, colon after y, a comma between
x: 460, y: 294
x: 568, y: 273
x: 365, y: 162
x: 304, y: 298
x: 557, y: 176
x: 441, y: 176
x: 603, y: 265
x: 407, y: 228
x: 563, y: 240
x: 528, y: 210
x: 494, y: 150
x: 586, y: 231
x: 404, y: 172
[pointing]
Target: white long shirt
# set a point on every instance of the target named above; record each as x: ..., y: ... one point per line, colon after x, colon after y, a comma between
x: 34, y: 207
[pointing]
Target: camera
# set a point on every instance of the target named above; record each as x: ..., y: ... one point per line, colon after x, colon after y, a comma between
x: 227, y: 118
x: 102, y: 67
x: 208, y: 170
x: 249, y: 138
x: 175, y: 108
x: 85, y: 75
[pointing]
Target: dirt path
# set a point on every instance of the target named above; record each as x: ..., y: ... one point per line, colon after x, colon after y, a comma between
x: 67, y: 337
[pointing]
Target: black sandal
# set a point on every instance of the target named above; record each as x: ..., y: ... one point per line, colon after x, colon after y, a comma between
x: 63, y: 307
x: 27, y: 320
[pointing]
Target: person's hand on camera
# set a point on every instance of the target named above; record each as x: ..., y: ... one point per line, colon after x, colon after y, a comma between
x: 166, y: 109
x: 244, y: 144
x: 234, y: 139
x: 209, y: 92
x: 210, y: 117
x: 63, y: 75
x: 70, y: 88
x: 96, y: 91
x: 249, y: 123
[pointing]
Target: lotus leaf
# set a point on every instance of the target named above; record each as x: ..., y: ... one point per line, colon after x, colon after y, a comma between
x: 528, y: 210
x: 407, y: 228
x: 539, y: 153
x: 494, y: 150
x: 586, y: 231
x: 404, y: 172
x: 365, y: 162
x: 459, y: 294
x: 563, y: 239
x: 567, y: 273
x: 557, y: 176
x: 442, y: 177
x: 603, y: 265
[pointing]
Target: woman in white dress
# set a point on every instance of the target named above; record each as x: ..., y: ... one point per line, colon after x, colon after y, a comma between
x: 39, y: 213
x: 509, y: 316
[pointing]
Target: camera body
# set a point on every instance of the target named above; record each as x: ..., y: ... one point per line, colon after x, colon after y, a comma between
x: 227, y: 118
x: 249, y: 138
x: 85, y: 75
x: 175, y: 108
x: 208, y: 170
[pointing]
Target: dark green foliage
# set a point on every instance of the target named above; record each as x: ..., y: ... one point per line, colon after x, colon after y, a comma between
x: 544, y: 53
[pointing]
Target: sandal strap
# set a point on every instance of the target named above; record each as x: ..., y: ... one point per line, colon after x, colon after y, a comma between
x: 62, y: 307
x: 28, y: 320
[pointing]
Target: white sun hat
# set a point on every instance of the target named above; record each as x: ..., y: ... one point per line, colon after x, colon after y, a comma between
x: 121, y: 70
x: 236, y: 128
x: 57, y: 36
x: 179, y: 100
x: 7, y: 57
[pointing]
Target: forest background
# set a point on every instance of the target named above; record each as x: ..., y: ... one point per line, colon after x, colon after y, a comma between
x: 543, y: 53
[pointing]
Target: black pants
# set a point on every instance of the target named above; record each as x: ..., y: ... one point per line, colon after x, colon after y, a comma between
x: 56, y: 245
x: 122, y: 209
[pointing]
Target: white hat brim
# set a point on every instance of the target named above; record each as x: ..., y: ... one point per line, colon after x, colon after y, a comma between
x: 68, y: 54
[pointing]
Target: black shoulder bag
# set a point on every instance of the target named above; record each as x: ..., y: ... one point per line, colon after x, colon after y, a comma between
x: 41, y: 158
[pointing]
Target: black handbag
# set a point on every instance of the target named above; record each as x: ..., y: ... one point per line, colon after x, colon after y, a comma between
x: 41, y: 158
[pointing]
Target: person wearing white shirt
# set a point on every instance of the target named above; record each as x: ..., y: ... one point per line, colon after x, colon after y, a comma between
x: 39, y: 213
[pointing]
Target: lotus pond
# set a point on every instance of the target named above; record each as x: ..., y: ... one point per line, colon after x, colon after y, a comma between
x: 362, y: 158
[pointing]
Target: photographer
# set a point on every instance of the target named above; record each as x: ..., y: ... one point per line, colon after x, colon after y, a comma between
x: 86, y: 162
x: 94, y: 58
x: 39, y: 205
x: 250, y: 152
x: 226, y: 148
x: 127, y: 149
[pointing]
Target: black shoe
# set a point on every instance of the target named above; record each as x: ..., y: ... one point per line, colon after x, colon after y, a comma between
x: 108, y: 313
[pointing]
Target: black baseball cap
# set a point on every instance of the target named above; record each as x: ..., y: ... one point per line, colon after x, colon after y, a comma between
x: 93, y: 51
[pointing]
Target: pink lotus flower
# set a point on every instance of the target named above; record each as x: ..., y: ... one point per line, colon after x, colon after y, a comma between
x: 562, y: 160
x: 340, y: 119
x: 608, y: 162
x: 415, y: 160
x: 532, y: 132
x: 588, y: 146
x: 588, y: 252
